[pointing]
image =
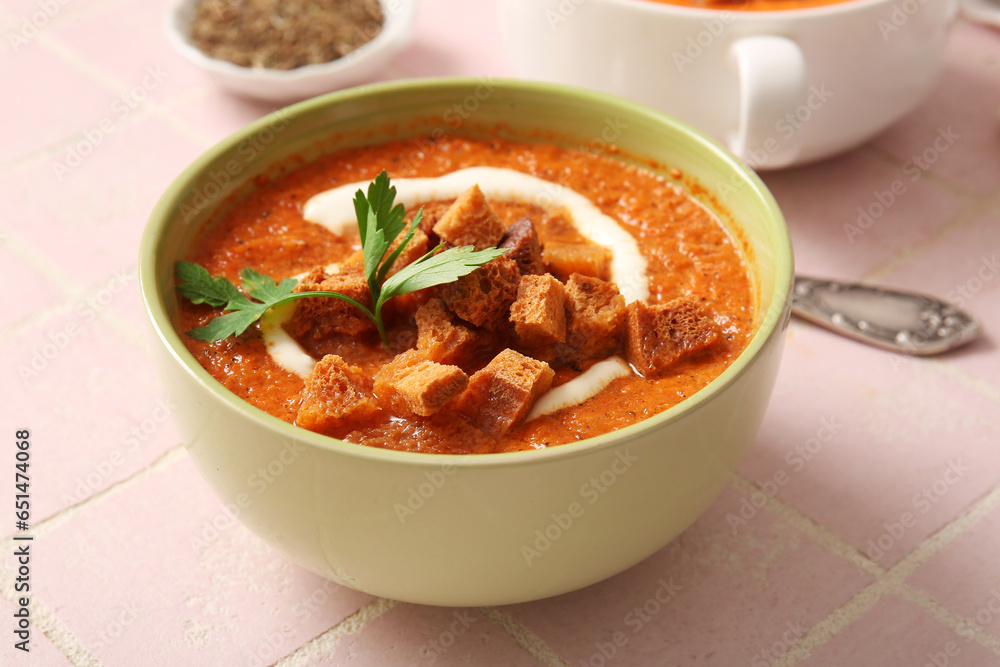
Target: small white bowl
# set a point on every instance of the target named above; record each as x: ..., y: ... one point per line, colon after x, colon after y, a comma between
x: 302, y: 82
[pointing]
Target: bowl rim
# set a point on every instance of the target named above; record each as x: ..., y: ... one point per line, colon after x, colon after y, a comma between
x: 768, y: 15
x: 770, y: 322
x: 395, y: 32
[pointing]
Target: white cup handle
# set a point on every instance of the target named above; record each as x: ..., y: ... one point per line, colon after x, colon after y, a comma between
x: 772, y: 76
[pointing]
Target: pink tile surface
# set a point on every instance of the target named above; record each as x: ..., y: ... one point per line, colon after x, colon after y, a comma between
x: 40, y: 293
x: 456, y: 39
x: 884, y: 458
x: 91, y: 403
x: 964, y: 575
x: 964, y: 267
x: 190, y: 587
x: 41, y: 651
x: 41, y: 116
x: 966, y: 100
x: 876, y: 211
x: 216, y: 114
x: 873, y: 451
x: 154, y: 72
x: 675, y: 607
x: 895, y: 632
x: 414, y: 635
x: 91, y: 231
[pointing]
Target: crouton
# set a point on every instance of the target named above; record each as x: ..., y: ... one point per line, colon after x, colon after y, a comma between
x: 588, y: 259
x: 483, y: 297
x: 538, y: 313
x: 412, y: 384
x: 659, y: 336
x: 418, y: 246
x: 470, y: 221
x: 524, y: 247
x: 439, y: 338
x: 595, y: 316
x: 501, y: 394
x: 322, y: 317
x: 335, y: 393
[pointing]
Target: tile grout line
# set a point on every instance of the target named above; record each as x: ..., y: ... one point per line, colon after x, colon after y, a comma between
x: 819, y: 533
x: 929, y: 175
x: 524, y: 637
x: 965, y: 216
x: 890, y: 582
x: 46, y: 621
x: 952, y: 619
x: 326, y: 642
x: 52, y: 522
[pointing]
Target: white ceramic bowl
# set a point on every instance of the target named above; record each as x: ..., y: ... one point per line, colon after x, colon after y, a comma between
x: 477, y: 529
x: 780, y: 88
x: 302, y: 82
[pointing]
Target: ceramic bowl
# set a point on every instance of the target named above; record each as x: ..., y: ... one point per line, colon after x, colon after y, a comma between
x: 780, y: 88
x: 476, y: 529
x: 302, y: 82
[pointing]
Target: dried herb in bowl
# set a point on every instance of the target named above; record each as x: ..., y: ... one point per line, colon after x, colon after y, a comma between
x: 284, y: 34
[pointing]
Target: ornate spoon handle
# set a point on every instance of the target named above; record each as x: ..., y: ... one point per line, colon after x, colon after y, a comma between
x: 896, y: 321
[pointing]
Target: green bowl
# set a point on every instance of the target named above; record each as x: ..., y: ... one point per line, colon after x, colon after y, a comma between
x: 477, y: 529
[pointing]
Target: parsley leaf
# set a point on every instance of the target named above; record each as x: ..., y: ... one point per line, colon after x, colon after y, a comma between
x: 380, y: 223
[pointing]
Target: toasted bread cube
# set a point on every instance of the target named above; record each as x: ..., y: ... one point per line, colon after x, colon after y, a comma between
x: 321, y: 317
x: 588, y: 259
x: 417, y: 247
x: 501, y: 394
x: 439, y: 338
x: 658, y: 336
x: 539, y: 312
x: 470, y: 221
x: 335, y: 391
x: 483, y: 297
x: 595, y: 316
x: 412, y: 384
x: 524, y: 247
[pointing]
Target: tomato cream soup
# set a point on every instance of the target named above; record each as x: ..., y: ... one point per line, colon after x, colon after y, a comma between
x: 618, y: 296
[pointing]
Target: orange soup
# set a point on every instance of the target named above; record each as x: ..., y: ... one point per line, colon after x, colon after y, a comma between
x: 468, y: 364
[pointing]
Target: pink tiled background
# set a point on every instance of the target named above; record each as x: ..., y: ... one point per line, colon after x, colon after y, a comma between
x: 135, y: 561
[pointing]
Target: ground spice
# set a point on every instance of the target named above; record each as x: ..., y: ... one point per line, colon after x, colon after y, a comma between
x: 284, y: 34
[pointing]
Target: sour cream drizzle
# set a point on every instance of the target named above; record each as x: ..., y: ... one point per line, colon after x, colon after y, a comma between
x: 334, y: 209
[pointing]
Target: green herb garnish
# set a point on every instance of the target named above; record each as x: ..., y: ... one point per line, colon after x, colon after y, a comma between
x: 379, y: 224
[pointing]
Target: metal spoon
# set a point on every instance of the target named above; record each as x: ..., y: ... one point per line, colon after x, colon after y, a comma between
x: 892, y: 320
